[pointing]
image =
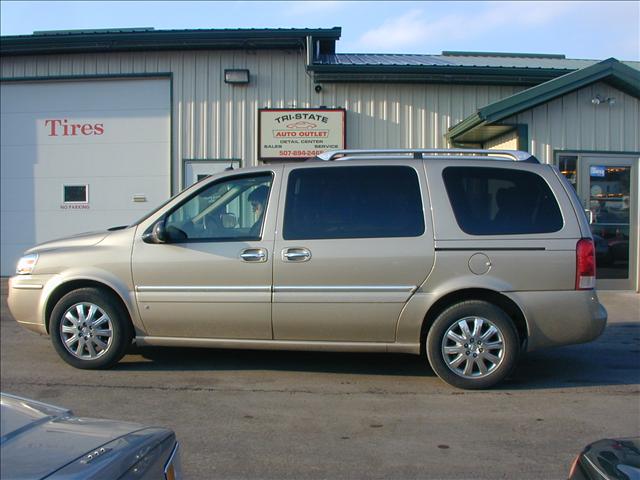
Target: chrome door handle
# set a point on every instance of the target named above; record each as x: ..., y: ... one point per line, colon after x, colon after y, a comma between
x: 296, y: 255
x: 256, y: 255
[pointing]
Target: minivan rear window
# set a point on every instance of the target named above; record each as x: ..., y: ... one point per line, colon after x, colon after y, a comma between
x: 501, y: 201
x: 353, y: 202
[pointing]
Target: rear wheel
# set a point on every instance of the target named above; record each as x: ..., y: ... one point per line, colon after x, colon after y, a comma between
x: 472, y: 345
x: 90, y: 329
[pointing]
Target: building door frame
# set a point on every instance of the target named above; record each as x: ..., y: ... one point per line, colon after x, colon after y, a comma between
x: 583, y: 169
x: 195, y: 169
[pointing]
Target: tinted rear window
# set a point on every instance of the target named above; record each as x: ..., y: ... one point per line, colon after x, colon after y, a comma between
x: 500, y: 201
x: 353, y: 202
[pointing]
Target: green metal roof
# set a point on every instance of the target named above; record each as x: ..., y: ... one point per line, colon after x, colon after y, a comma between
x: 89, y: 31
x: 529, y: 61
x: 453, y: 53
x: 136, y: 39
x: 482, y: 125
x: 488, y: 68
x: 473, y: 68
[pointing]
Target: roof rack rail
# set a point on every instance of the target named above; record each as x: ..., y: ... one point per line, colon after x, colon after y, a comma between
x: 513, y: 155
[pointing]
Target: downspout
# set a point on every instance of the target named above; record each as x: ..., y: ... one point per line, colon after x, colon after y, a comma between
x: 313, y: 52
x: 312, y: 45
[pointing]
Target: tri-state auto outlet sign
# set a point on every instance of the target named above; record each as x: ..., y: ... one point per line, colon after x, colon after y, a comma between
x: 300, y: 133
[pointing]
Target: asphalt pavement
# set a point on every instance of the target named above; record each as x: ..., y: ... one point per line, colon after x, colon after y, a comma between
x: 258, y: 414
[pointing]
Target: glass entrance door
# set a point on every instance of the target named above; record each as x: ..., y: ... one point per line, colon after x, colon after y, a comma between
x: 609, y: 193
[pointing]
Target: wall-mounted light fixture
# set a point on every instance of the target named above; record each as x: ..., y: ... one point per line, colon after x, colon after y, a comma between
x: 237, y: 77
x: 599, y: 99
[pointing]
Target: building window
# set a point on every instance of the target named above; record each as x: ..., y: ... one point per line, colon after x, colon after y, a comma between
x: 353, y: 202
x: 76, y: 194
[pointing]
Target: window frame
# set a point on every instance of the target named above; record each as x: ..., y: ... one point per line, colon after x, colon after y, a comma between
x: 234, y: 163
x: 74, y: 202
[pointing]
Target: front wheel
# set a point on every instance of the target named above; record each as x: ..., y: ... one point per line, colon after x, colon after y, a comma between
x: 89, y: 329
x: 472, y: 345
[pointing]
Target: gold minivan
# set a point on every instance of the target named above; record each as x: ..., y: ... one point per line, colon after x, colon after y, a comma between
x: 468, y: 257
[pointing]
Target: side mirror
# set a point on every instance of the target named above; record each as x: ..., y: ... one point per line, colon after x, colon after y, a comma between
x: 158, y: 234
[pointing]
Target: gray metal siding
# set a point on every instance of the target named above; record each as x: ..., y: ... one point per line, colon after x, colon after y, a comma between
x: 214, y: 120
x: 573, y: 122
x: 405, y: 115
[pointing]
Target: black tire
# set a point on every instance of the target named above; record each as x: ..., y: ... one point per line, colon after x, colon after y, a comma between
x: 470, y: 353
x: 109, y: 325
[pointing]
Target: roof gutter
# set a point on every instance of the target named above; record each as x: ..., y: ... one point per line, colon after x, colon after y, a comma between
x: 473, y: 121
x: 94, y: 42
x: 433, y: 74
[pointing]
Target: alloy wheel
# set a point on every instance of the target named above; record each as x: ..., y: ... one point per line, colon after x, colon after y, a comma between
x: 86, y: 331
x: 473, y: 347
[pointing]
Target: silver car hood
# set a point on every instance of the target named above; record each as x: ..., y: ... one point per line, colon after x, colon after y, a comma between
x: 38, y: 439
x: 87, y: 239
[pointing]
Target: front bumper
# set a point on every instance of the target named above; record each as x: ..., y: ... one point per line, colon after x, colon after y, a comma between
x: 26, y: 301
x: 561, y: 317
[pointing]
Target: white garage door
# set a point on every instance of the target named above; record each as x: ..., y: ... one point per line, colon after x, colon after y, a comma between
x: 78, y: 156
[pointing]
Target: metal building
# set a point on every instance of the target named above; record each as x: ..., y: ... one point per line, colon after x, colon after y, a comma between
x: 100, y: 126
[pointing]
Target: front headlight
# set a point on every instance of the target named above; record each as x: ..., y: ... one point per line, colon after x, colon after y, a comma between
x: 26, y: 264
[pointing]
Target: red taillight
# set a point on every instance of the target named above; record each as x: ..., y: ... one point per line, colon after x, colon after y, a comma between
x: 585, y: 264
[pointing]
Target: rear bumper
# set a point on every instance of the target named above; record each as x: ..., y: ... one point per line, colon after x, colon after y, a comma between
x: 561, y: 317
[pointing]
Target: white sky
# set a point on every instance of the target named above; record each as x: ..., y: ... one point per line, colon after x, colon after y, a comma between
x: 592, y: 30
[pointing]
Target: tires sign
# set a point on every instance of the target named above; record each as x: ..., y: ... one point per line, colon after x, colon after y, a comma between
x: 296, y: 134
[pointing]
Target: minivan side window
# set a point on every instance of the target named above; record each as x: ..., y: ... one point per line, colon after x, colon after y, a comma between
x: 353, y: 202
x: 231, y: 209
x: 501, y: 201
